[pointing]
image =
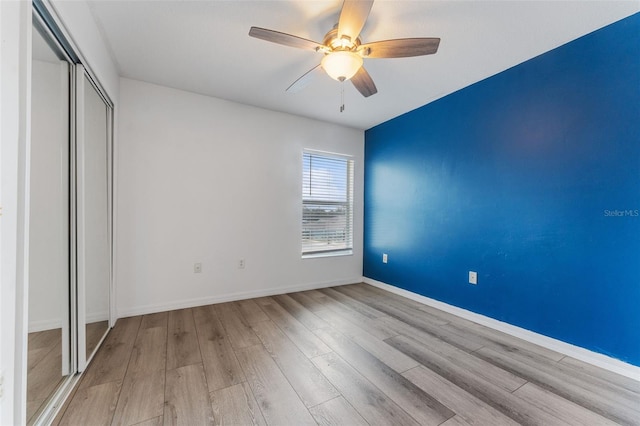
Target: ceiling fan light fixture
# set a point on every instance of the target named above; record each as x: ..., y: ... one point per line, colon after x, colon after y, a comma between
x: 342, y: 65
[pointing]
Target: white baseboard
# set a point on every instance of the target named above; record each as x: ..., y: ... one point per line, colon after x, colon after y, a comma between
x: 230, y: 297
x: 44, y: 325
x: 582, y: 354
x: 97, y: 316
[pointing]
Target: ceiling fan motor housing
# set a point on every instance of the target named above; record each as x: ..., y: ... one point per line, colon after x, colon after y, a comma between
x: 332, y: 42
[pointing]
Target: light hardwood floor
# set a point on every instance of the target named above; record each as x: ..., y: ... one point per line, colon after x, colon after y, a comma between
x: 44, y: 369
x: 350, y: 355
x: 44, y: 360
x: 94, y: 332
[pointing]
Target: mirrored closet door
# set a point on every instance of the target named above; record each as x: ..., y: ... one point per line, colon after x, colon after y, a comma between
x: 70, y: 231
x: 93, y: 189
x: 49, y: 342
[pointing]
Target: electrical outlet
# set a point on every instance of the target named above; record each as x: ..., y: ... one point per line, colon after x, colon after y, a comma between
x: 241, y: 264
x: 197, y: 268
x: 385, y: 258
x: 473, y: 277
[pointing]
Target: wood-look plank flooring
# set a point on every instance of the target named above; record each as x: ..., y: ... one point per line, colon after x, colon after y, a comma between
x: 44, y: 360
x: 44, y: 369
x: 348, y: 355
x: 94, y: 332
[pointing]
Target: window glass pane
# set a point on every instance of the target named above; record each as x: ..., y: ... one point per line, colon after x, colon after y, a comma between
x: 327, y: 203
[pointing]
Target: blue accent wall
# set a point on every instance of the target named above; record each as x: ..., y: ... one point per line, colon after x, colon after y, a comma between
x: 531, y: 178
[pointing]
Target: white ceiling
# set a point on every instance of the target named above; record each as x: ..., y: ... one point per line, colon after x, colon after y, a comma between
x: 203, y: 47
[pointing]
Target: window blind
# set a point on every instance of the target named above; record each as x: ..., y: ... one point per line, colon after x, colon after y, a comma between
x: 327, y: 203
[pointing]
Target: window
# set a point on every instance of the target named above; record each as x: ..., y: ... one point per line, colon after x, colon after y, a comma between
x: 327, y: 204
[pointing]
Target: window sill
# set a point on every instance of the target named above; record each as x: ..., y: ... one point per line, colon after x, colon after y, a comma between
x: 330, y: 254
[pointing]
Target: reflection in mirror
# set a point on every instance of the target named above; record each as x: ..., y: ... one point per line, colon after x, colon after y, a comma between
x: 48, y: 355
x: 95, y: 176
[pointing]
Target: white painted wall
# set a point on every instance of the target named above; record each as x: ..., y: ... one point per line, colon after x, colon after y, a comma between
x: 49, y: 192
x: 206, y: 180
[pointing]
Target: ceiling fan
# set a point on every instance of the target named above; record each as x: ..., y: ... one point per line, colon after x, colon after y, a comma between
x: 344, y: 50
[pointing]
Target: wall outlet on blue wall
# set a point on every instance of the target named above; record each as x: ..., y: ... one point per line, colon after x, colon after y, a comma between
x: 473, y: 277
x: 384, y: 258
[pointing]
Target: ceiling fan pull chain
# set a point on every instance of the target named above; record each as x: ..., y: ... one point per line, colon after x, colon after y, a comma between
x: 342, y: 96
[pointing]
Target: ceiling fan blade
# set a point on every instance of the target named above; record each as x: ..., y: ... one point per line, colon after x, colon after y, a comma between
x: 400, y: 48
x: 363, y: 82
x: 352, y: 17
x: 305, y: 80
x: 284, y: 38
